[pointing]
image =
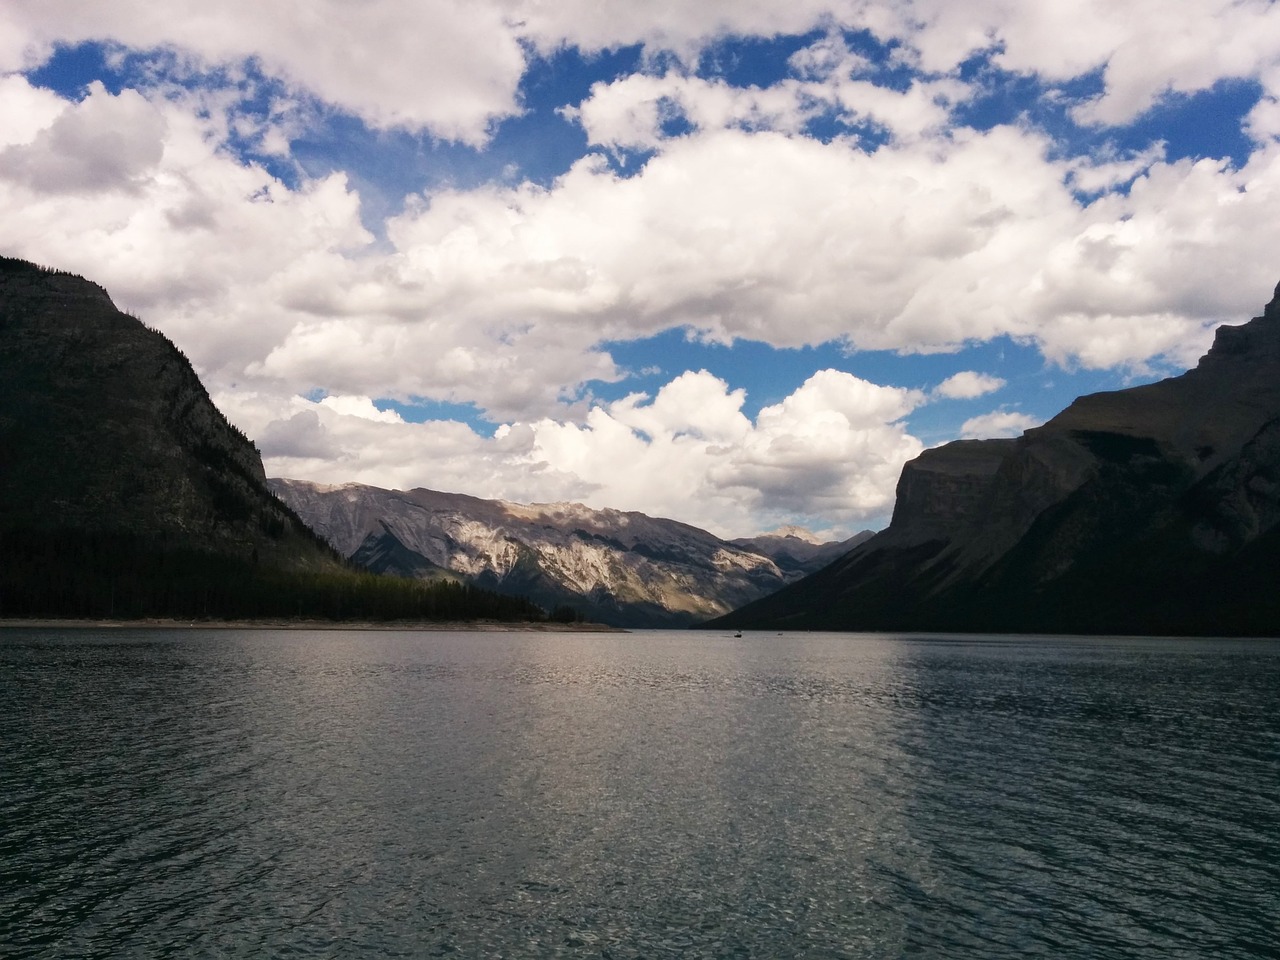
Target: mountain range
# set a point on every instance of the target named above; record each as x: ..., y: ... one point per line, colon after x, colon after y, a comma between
x: 1150, y: 510
x: 611, y: 566
x: 124, y: 491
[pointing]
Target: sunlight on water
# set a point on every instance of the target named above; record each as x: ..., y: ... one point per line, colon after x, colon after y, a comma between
x: 241, y: 793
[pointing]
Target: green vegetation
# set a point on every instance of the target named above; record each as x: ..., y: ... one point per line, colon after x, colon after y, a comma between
x: 96, y: 575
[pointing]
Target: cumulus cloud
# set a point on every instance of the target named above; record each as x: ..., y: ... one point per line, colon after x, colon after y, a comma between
x: 448, y: 66
x: 637, y: 111
x: 28, y: 110
x: 299, y: 437
x: 453, y: 67
x: 503, y: 295
x: 918, y: 246
x: 674, y: 25
x: 828, y: 454
x: 208, y: 247
x: 362, y: 407
x: 507, y: 294
x: 1144, y: 50
x: 633, y: 113
x: 105, y: 142
x: 968, y: 384
x: 998, y: 423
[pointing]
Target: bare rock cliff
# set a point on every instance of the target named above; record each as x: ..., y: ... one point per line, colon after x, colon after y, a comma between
x: 1149, y: 510
x: 613, y: 566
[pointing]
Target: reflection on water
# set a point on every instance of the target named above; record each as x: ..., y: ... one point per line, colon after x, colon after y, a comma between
x: 652, y: 794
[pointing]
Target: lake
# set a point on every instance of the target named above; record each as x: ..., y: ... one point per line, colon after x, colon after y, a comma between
x: 242, y: 793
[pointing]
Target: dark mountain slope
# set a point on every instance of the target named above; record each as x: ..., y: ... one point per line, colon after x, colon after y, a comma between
x: 1149, y: 510
x: 124, y: 492
x: 104, y: 427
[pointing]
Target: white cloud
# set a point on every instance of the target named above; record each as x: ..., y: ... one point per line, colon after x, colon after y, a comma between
x: 1094, y: 175
x: 998, y: 423
x: 968, y: 384
x: 103, y: 143
x: 300, y: 437
x: 448, y: 66
x: 920, y: 246
x: 504, y: 295
x: 1145, y: 49
x: 635, y: 112
x: 151, y: 206
x: 828, y: 454
x: 676, y: 25
x: 453, y: 67
x: 362, y: 407
x: 28, y: 110
x: 630, y: 113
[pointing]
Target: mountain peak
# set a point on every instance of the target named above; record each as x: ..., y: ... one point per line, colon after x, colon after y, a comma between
x: 793, y: 532
x: 623, y: 568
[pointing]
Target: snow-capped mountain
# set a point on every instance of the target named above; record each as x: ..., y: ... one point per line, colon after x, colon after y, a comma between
x: 612, y: 566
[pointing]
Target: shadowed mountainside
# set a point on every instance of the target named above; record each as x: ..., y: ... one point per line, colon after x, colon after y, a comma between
x: 1151, y: 510
x: 124, y: 492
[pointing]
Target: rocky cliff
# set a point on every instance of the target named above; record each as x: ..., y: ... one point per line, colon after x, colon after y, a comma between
x: 615, y: 567
x: 105, y: 427
x: 1148, y: 510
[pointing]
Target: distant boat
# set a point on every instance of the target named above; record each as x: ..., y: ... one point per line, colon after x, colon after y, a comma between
x: 738, y: 635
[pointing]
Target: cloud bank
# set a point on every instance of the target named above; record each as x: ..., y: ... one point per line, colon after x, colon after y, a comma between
x: 823, y: 205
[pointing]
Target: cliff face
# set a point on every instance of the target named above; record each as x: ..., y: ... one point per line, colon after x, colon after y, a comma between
x: 612, y: 566
x: 1148, y: 510
x: 797, y: 551
x: 106, y: 429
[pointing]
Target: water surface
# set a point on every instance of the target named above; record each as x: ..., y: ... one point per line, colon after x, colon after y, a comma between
x: 276, y: 793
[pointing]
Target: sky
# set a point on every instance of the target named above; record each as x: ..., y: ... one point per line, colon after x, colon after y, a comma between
x: 731, y: 262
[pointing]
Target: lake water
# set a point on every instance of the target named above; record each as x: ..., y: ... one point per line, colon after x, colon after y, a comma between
x: 653, y: 794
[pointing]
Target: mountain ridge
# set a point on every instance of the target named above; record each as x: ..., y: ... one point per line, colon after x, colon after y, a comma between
x: 125, y: 493
x: 108, y: 419
x: 1147, y: 510
x: 619, y: 567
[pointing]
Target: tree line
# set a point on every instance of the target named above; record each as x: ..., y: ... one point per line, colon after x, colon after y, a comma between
x: 120, y: 576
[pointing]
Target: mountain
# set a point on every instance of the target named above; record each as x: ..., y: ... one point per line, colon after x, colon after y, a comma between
x: 104, y: 426
x: 615, y: 567
x: 1151, y: 510
x: 796, y: 550
x: 125, y: 492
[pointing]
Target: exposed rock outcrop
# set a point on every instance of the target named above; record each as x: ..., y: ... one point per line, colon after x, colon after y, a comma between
x: 1147, y: 510
x: 615, y: 567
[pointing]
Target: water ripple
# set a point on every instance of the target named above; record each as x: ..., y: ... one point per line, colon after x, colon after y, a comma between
x: 241, y: 794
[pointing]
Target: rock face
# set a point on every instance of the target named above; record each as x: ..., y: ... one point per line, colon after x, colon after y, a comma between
x: 1151, y: 510
x: 106, y: 429
x: 796, y: 551
x: 614, y: 567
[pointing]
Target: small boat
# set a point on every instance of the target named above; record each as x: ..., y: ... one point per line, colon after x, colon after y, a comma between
x: 738, y: 635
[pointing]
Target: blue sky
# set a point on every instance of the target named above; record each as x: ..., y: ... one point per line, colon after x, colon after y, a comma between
x: 732, y: 264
